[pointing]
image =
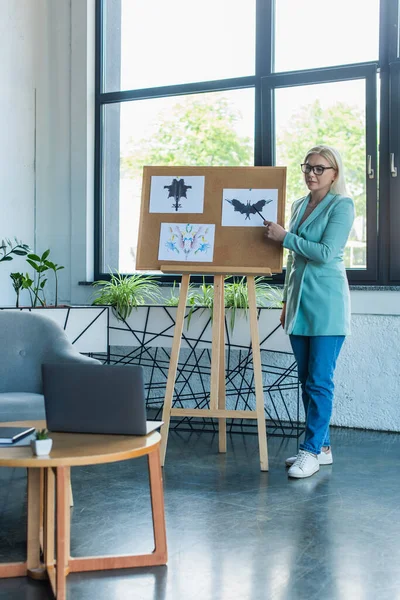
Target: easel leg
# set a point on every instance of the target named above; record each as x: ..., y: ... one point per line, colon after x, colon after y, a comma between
x: 255, y: 343
x: 176, y: 344
x: 215, y: 344
x: 221, y: 387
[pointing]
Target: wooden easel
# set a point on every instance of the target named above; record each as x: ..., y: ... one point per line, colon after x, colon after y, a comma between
x: 217, y: 406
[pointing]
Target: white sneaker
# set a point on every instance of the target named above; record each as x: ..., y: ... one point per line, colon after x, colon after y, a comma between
x: 305, y: 465
x: 324, y: 458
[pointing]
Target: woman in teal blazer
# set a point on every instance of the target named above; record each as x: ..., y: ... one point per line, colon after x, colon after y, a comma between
x: 316, y: 310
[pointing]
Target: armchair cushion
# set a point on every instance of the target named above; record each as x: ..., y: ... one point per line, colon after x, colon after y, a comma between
x: 21, y: 406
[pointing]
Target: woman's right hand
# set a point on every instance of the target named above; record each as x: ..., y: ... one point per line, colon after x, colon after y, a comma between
x: 282, y: 318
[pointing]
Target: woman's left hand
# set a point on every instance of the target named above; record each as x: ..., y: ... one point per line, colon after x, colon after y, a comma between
x: 274, y: 232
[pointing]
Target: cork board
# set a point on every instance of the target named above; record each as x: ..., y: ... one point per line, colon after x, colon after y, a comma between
x: 205, y: 203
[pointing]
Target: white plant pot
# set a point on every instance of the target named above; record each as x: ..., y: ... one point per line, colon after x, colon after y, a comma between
x: 41, y: 447
x: 158, y: 321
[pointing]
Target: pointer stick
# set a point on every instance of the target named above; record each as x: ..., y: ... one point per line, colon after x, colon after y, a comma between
x: 258, y: 212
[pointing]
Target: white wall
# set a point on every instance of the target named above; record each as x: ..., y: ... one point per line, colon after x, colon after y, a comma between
x: 367, y: 393
x: 18, y: 39
x: 46, y: 70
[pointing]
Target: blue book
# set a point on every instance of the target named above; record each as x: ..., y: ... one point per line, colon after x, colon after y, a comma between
x: 10, y: 435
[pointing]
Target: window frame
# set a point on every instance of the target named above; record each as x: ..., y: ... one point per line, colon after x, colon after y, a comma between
x: 383, y: 258
x: 394, y: 181
x: 368, y: 73
x: 389, y: 207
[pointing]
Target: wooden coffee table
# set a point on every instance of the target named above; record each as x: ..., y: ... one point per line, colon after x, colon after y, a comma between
x: 49, y: 508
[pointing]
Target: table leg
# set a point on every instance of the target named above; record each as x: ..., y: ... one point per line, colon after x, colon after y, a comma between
x: 159, y: 555
x: 9, y: 570
x: 71, y: 496
x: 34, y: 566
x: 68, y: 506
x: 62, y: 491
x: 42, y: 507
x: 157, y: 506
x: 49, y: 526
x: 49, y: 513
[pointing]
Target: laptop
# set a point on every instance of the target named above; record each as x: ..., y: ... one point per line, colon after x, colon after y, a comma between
x: 90, y: 398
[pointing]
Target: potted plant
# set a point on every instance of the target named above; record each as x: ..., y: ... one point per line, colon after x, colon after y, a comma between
x: 126, y: 292
x: 173, y: 298
x: 41, y: 446
x: 41, y: 264
x: 236, y: 297
x: 200, y: 300
x: 35, y: 287
x: 18, y: 280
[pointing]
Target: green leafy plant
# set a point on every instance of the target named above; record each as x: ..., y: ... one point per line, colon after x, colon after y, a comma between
x: 236, y: 297
x: 126, y: 292
x: 8, y: 248
x: 40, y: 266
x: 173, y: 298
x: 21, y: 282
x: 268, y: 295
x: 55, y: 268
x: 42, y: 434
x: 17, y: 281
x: 27, y: 284
x: 203, y: 298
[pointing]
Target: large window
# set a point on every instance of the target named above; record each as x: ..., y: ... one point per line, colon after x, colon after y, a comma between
x: 325, y: 34
x: 340, y: 111
x: 156, y: 43
x: 214, y: 128
x: 249, y: 82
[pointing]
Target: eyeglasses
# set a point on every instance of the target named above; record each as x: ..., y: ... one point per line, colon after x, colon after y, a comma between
x: 316, y: 169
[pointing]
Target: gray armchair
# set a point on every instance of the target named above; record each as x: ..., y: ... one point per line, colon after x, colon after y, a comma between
x: 27, y: 340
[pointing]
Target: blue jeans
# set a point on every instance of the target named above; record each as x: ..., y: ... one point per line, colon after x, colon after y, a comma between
x: 316, y: 361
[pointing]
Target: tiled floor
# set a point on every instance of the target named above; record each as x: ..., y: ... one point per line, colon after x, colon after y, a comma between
x: 234, y: 533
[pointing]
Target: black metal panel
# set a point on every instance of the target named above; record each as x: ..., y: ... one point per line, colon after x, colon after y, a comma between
x: 264, y: 63
x: 192, y: 384
x: 236, y: 83
x: 389, y: 192
x: 98, y: 156
x: 371, y: 147
x: 323, y: 75
x: 393, y: 172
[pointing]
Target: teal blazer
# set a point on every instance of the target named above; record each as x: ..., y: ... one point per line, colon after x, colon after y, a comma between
x: 316, y: 289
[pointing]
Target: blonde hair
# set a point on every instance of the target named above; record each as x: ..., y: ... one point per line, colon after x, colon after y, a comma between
x: 334, y: 159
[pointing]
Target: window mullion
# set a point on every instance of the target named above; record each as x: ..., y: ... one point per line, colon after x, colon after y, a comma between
x: 393, y: 174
